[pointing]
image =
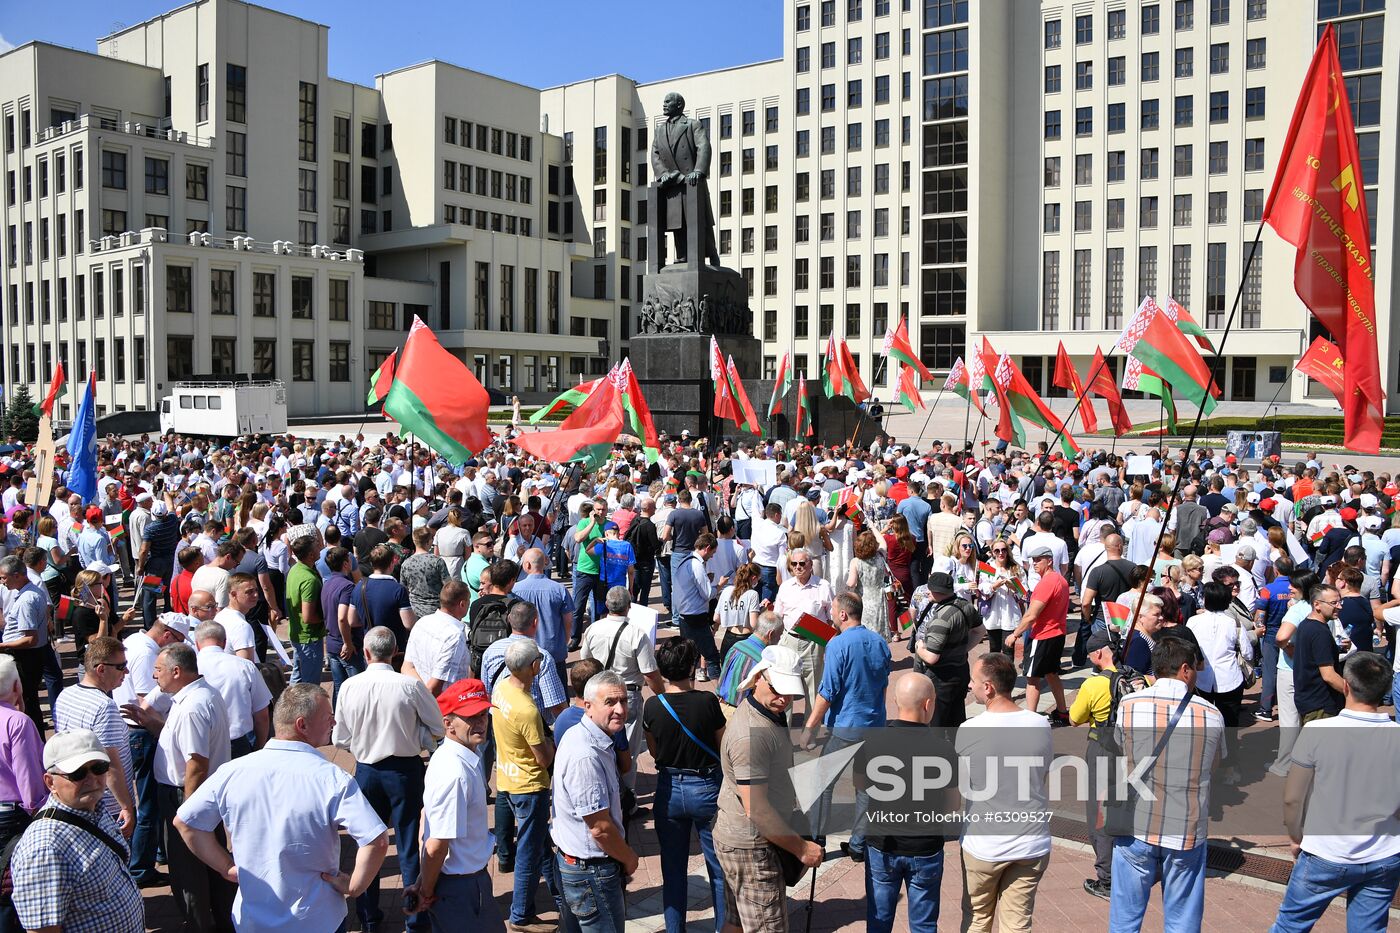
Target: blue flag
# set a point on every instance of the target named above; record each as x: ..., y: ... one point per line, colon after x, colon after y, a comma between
x: 82, y: 445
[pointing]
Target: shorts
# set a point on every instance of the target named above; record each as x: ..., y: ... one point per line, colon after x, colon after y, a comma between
x: 1043, y: 656
x: 755, y: 897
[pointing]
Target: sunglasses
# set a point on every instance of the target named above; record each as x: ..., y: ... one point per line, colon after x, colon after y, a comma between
x: 118, y: 667
x: 798, y: 563
x: 96, y: 767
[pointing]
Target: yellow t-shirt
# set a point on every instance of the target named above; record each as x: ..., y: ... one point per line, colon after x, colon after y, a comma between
x: 517, y: 725
x: 1092, y: 702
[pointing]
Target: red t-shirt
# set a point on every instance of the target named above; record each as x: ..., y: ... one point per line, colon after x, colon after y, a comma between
x: 180, y: 589
x: 1053, y: 590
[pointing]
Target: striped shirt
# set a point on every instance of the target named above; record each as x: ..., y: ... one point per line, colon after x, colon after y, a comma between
x: 67, y: 879
x: 1179, y: 779
x: 84, y: 707
x: 737, y: 664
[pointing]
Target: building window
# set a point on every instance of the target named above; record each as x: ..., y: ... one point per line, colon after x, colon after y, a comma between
x: 1185, y: 14
x: 264, y: 294
x: 306, y: 190
x: 1219, y: 158
x: 338, y: 362
x: 1181, y: 275
x: 1254, y: 102
x: 1181, y: 210
x: 113, y: 169
x: 1113, y: 214
x: 1256, y: 51
x: 303, y: 297
x: 1219, y: 12
x: 1084, y: 76
x: 1084, y: 121
x: 1050, y: 291
x: 265, y: 358
x: 1216, y: 208
x: 1219, y: 106
x: 1052, y: 124
x: 306, y: 122
x: 223, y: 355
x: 1147, y: 213
x: 1052, y: 171
x: 1151, y: 66
x: 1185, y: 112
x: 1253, y: 288
x: 1113, y: 289
x: 1117, y: 70
x: 1215, y: 285
x: 1083, y: 288
x: 1150, y: 114
x: 201, y: 81
x: 236, y: 93
x: 1117, y: 118
x: 1220, y: 58
x: 1149, y: 164
x: 1052, y: 34
x: 1185, y: 62
x: 197, y: 182
x: 1182, y: 161
x: 1117, y: 165
x: 236, y: 210
x: 381, y: 315
x: 221, y: 297
x: 303, y: 360
x: 483, y: 295
x: 339, y: 299
x: 1083, y: 216
x: 179, y: 290
x: 1147, y: 271
x: 157, y: 176
x: 1052, y: 79
x: 1117, y: 24
x: 1253, y: 205
x: 1083, y: 30
x: 179, y: 352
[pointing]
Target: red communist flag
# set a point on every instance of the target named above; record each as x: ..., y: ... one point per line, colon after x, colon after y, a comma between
x: 1318, y: 204
x: 1068, y: 379
x: 1323, y: 362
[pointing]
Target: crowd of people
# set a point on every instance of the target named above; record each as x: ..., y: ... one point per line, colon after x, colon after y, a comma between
x: 494, y: 647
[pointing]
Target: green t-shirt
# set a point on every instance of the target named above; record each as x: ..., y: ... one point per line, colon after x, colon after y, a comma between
x: 472, y: 571
x: 587, y: 562
x: 303, y: 586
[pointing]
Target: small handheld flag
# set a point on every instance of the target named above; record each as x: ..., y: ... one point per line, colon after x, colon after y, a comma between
x: 810, y: 628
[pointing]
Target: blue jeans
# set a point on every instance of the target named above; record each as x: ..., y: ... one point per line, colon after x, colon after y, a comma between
x: 1268, y: 693
x: 342, y: 670
x: 767, y: 583
x: 1136, y: 867
x: 886, y: 874
x: 394, y: 788
x: 686, y: 801
x: 145, y: 840
x: 586, y: 585
x: 152, y: 604
x: 306, y: 661
x: 592, y: 897
x: 663, y: 567
x: 834, y: 744
x: 53, y: 675
x: 532, y: 850
x: 697, y: 629
x: 1369, y: 888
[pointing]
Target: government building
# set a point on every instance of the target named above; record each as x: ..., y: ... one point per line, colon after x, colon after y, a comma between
x: 199, y: 196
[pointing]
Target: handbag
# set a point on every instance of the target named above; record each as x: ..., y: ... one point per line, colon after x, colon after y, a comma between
x: 790, y: 865
x: 1247, y: 668
x: 1118, y: 814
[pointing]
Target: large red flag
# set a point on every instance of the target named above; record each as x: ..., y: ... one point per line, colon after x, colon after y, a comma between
x: 1103, y: 386
x: 587, y: 434
x: 1068, y: 379
x: 437, y: 399
x: 1323, y: 362
x: 851, y: 373
x: 741, y: 399
x: 1318, y: 204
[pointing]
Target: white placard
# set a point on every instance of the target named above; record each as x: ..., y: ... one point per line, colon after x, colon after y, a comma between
x: 1139, y: 465
x: 645, y: 619
x: 276, y: 644
x: 1227, y: 553
x: 760, y: 473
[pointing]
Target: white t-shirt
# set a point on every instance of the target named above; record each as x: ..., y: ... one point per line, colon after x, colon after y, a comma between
x: 734, y: 612
x: 768, y: 540
x: 1345, y: 786
x: 1026, y: 734
x: 238, y: 631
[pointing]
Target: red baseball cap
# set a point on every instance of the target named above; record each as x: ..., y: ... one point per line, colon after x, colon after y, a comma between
x: 93, y: 514
x: 1348, y: 514
x: 901, y: 472
x: 466, y: 697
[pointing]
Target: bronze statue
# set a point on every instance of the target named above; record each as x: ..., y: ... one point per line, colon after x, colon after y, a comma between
x: 680, y: 160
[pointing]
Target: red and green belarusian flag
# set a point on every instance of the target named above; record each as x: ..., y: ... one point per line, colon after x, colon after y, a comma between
x: 847, y: 497
x: 1103, y: 386
x: 1020, y: 400
x: 1187, y: 324
x: 781, y: 385
x: 1154, y: 339
x: 1139, y: 378
x: 634, y: 404
x: 726, y: 406
x: 810, y: 628
x: 587, y: 435
x: 905, y: 620
x: 1317, y: 536
x: 1117, y: 614
x: 570, y: 398
x: 381, y: 380
x: 840, y: 376
x: 741, y: 397
x: 58, y: 387
x: 1017, y: 586
x: 909, y: 395
x: 985, y: 568
x: 437, y: 399
x: 958, y: 380
x: 803, y: 427
x: 898, y: 347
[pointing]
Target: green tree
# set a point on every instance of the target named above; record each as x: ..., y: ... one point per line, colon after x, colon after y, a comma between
x: 20, y: 421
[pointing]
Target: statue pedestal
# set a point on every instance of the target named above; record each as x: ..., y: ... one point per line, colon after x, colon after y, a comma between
x: 689, y: 299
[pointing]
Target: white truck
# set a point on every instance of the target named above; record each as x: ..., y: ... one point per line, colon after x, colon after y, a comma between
x: 225, y: 409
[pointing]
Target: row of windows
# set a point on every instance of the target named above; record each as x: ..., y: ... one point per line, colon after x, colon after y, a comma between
x: 1183, y: 113
x: 460, y: 132
x: 488, y: 183
x: 48, y: 298
x: 1212, y: 312
x: 41, y: 355
x: 1183, y: 162
x: 179, y: 294
x: 1217, y: 211
x: 13, y: 179
x: 855, y: 10
x: 488, y: 220
x: 1183, y: 13
x: 1150, y: 69
x: 855, y: 51
x: 223, y: 356
x: 854, y: 95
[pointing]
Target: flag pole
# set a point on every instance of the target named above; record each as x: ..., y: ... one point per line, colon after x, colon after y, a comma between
x: 920, y: 439
x: 1195, y: 429
x: 1103, y: 361
x: 967, y: 416
x: 1287, y: 380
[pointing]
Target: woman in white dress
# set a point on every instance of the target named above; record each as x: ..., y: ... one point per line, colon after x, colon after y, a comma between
x: 1002, y: 606
x: 842, y: 532
x: 960, y: 563
x: 818, y: 541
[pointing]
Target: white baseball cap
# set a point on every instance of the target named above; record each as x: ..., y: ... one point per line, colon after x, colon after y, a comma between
x: 101, y: 567
x: 784, y: 670
x: 66, y: 752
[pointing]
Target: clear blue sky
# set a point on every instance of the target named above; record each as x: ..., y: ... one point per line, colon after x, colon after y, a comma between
x: 536, y: 42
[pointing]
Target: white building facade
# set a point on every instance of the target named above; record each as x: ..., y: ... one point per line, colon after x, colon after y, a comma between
x: 200, y: 196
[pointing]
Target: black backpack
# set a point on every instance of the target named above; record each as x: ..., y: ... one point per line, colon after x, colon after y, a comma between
x: 490, y: 627
x: 1121, y: 682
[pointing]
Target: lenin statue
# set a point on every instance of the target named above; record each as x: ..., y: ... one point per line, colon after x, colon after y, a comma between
x: 680, y: 162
